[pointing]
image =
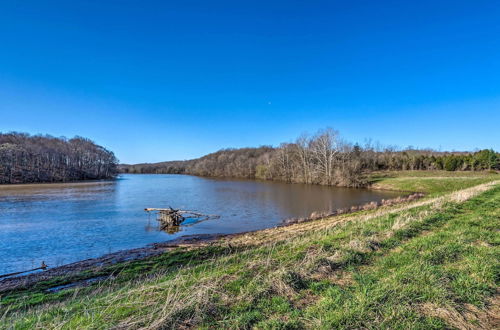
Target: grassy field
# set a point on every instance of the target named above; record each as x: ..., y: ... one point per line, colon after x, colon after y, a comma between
x: 431, y: 182
x: 428, y: 264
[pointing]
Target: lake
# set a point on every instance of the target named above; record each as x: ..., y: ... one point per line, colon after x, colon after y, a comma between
x: 64, y: 223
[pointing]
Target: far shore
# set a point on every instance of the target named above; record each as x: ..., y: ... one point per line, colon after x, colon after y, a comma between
x: 38, y: 184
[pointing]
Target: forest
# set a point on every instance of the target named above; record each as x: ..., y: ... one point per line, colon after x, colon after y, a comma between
x: 28, y: 158
x: 323, y: 158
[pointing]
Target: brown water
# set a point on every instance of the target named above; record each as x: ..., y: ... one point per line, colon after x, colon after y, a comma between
x: 63, y: 223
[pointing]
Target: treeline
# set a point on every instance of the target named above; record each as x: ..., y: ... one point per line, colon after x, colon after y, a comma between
x: 43, y: 158
x: 237, y: 163
x: 412, y: 159
x: 323, y: 158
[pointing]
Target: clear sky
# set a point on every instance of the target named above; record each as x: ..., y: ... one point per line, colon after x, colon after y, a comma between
x: 164, y: 80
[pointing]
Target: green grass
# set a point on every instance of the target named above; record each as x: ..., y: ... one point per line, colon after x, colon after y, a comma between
x: 432, y: 182
x: 386, y: 268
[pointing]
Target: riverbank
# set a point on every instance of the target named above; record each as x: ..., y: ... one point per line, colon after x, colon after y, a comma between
x: 66, y: 223
x: 10, y: 283
x: 425, y: 263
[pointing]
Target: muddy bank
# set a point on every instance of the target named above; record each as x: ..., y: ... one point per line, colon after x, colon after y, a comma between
x: 95, y: 264
x: 355, y: 208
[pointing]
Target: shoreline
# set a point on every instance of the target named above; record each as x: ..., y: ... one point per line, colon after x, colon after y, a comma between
x: 187, y: 241
x: 122, y: 256
x: 38, y: 184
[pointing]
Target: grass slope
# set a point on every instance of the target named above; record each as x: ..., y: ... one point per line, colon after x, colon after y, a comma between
x: 430, y: 264
x: 431, y: 182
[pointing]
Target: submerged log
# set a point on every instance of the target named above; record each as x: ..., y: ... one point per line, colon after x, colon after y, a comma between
x: 170, y: 217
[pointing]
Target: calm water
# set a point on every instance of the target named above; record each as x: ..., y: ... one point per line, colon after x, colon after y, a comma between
x: 63, y: 223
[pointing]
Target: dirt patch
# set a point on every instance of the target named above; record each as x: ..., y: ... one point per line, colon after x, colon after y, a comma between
x: 306, y: 300
x: 340, y: 278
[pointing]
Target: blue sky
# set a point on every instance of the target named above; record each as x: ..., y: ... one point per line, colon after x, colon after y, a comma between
x: 163, y: 80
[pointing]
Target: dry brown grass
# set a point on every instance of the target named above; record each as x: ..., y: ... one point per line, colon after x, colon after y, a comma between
x: 467, y: 317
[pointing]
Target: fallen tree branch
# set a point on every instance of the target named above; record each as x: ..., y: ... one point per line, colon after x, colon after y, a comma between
x: 43, y: 267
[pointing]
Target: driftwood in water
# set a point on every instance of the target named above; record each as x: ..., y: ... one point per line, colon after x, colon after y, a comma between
x: 170, y: 217
x: 42, y: 267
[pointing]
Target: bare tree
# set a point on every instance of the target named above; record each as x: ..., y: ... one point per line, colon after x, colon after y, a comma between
x: 305, y: 157
x: 325, y: 147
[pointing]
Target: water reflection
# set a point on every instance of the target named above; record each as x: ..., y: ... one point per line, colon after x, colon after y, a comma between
x: 62, y: 223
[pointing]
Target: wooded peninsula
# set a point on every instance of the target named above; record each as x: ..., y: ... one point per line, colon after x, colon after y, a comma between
x: 28, y: 158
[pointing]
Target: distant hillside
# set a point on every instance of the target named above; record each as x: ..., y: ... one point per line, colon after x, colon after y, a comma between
x: 28, y: 158
x: 240, y: 163
x: 168, y: 167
